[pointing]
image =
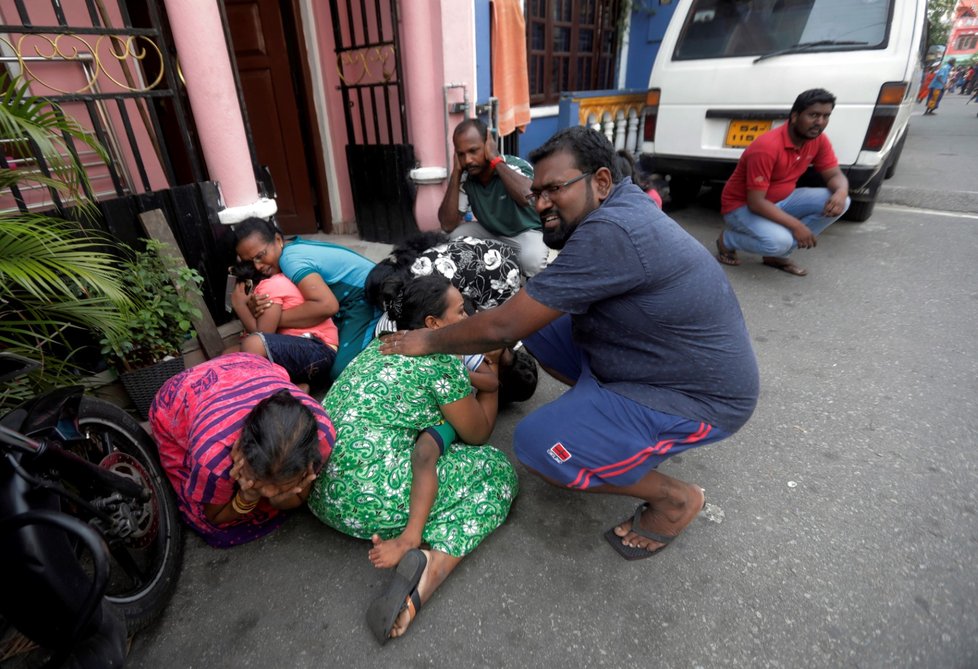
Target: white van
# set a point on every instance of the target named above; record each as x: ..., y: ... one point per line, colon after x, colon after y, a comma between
x: 729, y: 70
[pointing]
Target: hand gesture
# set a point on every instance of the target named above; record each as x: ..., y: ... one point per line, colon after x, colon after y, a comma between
x: 804, y: 237
x: 490, y: 148
x: 406, y: 342
x: 278, y: 495
x: 258, y: 303
x: 836, y: 204
x: 241, y: 473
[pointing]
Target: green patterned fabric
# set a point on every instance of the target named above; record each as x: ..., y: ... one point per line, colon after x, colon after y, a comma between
x: 378, y: 406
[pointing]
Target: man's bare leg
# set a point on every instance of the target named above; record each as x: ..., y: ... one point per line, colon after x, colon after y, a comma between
x: 673, y: 504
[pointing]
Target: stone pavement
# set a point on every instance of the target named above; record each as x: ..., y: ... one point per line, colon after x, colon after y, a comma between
x: 841, y: 528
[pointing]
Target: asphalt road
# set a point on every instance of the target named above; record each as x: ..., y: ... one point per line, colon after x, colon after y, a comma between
x: 842, y: 524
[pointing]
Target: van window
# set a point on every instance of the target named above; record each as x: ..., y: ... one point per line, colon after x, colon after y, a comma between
x: 728, y: 28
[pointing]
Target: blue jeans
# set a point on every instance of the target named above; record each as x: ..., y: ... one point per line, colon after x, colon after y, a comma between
x: 746, y: 231
x: 304, y: 358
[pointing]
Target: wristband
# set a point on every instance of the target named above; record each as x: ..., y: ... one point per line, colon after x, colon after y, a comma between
x: 494, y: 162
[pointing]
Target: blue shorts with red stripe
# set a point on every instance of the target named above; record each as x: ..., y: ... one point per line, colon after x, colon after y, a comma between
x: 592, y: 436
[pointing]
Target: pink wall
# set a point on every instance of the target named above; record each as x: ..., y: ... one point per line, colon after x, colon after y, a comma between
x: 436, y: 38
x: 334, y: 106
x: 60, y: 75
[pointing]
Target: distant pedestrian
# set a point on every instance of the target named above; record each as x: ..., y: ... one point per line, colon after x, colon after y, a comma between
x: 925, y: 84
x: 937, y: 86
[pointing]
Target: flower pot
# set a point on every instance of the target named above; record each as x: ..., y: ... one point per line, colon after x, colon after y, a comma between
x: 143, y: 384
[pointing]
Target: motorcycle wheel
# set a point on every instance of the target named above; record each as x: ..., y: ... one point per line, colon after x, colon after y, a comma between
x: 144, y: 565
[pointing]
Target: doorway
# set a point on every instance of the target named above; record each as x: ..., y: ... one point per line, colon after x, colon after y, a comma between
x: 269, y: 50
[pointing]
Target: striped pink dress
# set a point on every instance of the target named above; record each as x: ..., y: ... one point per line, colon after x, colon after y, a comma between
x: 197, y: 417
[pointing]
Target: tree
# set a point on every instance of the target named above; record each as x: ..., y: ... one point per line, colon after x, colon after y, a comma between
x: 939, y: 21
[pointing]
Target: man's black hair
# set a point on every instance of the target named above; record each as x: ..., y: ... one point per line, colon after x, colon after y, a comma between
x: 590, y: 148
x: 813, y: 96
x: 468, y: 123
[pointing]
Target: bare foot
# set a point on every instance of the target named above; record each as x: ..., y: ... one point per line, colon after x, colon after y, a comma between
x: 385, y: 554
x: 667, y: 519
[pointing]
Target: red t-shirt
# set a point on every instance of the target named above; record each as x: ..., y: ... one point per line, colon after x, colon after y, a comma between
x: 773, y: 163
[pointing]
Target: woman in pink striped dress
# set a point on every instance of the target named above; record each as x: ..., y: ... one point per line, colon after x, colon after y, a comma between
x: 240, y: 445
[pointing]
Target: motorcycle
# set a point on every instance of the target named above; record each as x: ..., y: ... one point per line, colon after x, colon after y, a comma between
x: 90, y: 543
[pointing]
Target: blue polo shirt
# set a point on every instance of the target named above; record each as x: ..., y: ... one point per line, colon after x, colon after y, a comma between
x: 654, y: 312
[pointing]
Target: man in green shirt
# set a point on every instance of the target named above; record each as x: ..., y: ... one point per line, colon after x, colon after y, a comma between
x: 495, y: 187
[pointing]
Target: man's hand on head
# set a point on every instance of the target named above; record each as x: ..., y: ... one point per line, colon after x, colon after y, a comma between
x: 490, y: 147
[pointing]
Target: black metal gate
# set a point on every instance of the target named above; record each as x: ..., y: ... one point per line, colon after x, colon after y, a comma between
x: 377, y: 151
x: 116, y: 73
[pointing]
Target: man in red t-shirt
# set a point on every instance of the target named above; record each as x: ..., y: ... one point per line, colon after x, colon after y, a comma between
x: 763, y: 211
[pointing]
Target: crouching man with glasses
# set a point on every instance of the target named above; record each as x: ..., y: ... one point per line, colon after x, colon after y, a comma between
x: 639, y: 320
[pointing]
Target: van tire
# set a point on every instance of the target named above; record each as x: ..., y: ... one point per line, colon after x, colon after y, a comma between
x: 683, y: 190
x: 859, y: 211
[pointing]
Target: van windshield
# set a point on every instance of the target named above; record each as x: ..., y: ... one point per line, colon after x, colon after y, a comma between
x: 729, y: 28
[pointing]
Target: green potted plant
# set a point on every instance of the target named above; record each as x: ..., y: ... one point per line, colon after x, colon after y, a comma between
x: 160, y: 320
x: 58, y: 277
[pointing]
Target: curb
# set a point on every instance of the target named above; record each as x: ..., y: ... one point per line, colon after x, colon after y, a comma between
x: 965, y: 202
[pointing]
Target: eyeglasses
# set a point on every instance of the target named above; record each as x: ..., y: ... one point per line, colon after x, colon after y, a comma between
x: 260, y: 257
x: 547, y: 192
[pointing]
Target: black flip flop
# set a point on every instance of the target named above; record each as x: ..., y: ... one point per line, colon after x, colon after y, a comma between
x: 637, y: 552
x: 385, y: 608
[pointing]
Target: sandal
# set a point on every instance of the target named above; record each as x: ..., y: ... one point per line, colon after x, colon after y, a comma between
x: 637, y: 552
x: 725, y: 255
x: 401, y: 593
x: 786, y: 266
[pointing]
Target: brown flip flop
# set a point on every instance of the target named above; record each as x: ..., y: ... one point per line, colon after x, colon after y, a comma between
x: 787, y: 266
x: 726, y: 256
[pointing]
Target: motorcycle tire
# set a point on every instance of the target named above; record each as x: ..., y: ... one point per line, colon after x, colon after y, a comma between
x: 141, y: 584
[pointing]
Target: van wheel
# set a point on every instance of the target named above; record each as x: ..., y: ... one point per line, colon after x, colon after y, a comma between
x: 891, y: 168
x: 683, y: 190
x: 859, y: 211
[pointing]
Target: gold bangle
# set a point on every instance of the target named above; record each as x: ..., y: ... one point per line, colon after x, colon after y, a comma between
x: 242, y: 507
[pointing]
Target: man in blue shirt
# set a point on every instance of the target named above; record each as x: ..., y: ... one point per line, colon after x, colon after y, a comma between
x: 937, y: 85
x: 636, y: 316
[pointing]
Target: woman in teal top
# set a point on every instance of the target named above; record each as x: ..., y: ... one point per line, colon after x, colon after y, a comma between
x: 330, y: 278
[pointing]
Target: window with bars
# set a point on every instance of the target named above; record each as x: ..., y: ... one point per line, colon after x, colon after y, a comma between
x: 571, y: 45
x: 966, y: 42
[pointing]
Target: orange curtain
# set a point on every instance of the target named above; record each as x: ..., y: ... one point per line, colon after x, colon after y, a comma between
x: 510, y: 82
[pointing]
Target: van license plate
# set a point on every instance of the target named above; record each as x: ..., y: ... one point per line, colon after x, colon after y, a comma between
x: 742, y: 132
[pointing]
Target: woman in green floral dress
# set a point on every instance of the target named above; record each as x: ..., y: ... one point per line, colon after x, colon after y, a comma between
x: 379, y: 407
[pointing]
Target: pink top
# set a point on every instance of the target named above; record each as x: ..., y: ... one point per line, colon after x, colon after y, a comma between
x: 282, y: 291
x: 196, y: 418
x: 654, y: 194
